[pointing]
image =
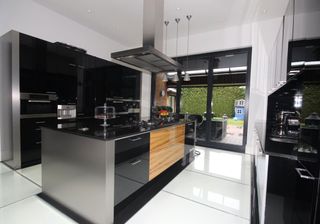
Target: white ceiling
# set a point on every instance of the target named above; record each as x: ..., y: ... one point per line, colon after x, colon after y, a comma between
x: 121, y: 20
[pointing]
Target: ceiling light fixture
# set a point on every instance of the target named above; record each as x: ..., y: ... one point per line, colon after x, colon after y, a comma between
x: 166, y: 23
x: 164, y: 78
x: 187, y: 76
x: 176, y: 77
x: 89, y: 11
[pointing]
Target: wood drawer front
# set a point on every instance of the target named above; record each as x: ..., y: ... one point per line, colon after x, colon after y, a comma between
x: 166, y: 148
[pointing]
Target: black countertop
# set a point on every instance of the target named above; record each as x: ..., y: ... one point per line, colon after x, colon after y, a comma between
x: 92, y: 128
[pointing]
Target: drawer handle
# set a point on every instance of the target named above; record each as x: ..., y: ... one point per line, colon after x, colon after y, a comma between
x: 38, y: 129
x: 40, y: 122
x: 38, y: 143
x: 135, y: 162
x: 135, y: 139
x: 309, y: 176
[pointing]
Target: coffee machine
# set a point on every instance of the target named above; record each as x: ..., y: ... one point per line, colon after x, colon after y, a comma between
x: 287, y: 124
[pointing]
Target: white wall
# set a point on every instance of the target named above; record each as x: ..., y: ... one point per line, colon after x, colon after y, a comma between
x: 216, y: 40
x: 31, y: 18
x: 303, y: 31
x: 36, y: 20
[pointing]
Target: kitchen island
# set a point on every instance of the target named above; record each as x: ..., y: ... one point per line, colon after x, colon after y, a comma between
x: 108, y: 166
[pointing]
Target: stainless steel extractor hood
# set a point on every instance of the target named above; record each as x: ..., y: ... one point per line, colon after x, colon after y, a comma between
x: 149, y: 56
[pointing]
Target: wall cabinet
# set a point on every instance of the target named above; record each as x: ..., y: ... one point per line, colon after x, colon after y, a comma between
x: 76, y: 77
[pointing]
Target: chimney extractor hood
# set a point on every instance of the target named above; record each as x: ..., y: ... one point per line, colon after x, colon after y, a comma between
x: 148, y: 57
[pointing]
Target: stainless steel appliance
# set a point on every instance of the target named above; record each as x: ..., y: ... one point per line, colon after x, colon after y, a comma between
x: 148, y: 57
x: 287, y: 124
x: 66, y: 112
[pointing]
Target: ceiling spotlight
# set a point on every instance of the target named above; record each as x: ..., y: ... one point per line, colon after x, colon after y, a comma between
x: 178, y: 8
x: 89, y: 11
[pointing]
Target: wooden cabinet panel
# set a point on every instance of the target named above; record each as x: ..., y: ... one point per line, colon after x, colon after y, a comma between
x: 166, y: 148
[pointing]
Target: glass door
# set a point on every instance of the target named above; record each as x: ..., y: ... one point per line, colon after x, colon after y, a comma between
x: 229, y: 101
x: 217, y: 96
x: 194, y: 94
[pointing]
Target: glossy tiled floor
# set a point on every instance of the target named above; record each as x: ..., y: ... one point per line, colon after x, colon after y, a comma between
x: 215, y: 188
x: 32, y: 173
x: 14, y: 187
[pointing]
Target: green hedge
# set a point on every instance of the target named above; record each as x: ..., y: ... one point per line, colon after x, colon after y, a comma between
x: 194, y: 100
x: 311, y: 100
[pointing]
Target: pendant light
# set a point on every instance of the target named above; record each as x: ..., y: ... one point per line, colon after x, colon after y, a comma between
x: 164, y: 78
x: 176, y: 77
x: 187, y: 76
x: 166, y: 23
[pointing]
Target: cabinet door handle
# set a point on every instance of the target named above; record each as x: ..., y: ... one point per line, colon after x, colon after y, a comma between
x: 38, y: 129
x: 38, y: 143
x: 72, y: 65
x: 135, y: 139
x: 40, y: 122
x: 303, y: 176
x: 135, y: 162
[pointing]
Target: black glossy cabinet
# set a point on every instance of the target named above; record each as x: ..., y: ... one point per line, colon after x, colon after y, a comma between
x: 31, y: 140
x: 102, y: 79
x: 33, y: 64
x: 73, y: 75
x: 291, y: 192
x: 132, y: 165
x: 49, y: 68
x: 68, y: 66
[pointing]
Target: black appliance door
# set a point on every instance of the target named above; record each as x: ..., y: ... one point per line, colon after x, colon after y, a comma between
x: 132, y: 165
x: 38, y: 107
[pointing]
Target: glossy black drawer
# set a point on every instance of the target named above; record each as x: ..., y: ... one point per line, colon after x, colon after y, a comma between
x: 132, y: 165
x: 128, y: 148
x: 30, y: 134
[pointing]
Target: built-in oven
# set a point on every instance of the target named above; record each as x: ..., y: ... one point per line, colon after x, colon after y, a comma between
x: 132, y: 165
x: 37, y: 104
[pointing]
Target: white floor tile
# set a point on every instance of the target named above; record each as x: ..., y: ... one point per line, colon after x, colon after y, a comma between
x: 170, y: 209
x: 214, y: 192
x: 32, y: 210
x: 33, y: 173
x: 227, y: 165
x: 14, y: 187
x: 4, y: 168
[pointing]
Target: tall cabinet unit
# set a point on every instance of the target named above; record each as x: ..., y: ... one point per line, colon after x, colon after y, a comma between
x: 37, y: 76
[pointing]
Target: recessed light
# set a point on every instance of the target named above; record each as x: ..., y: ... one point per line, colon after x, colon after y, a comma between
x: 89, y: 11
x: 178, y: 8
x: 265, y: 11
